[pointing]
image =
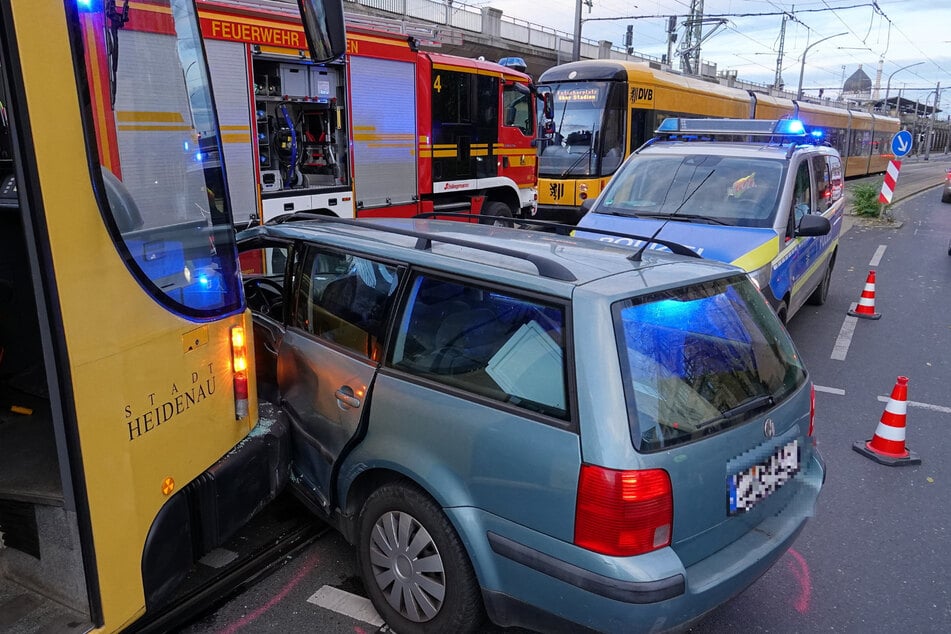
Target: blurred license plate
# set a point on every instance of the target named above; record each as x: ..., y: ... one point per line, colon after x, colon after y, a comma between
x: 753, y: 485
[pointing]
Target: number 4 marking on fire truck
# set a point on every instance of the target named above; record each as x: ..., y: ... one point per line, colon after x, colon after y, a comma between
x: 437, y: 84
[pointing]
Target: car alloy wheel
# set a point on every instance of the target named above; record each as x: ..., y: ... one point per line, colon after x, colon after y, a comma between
x: 407, y: 566
x: 414, y: 566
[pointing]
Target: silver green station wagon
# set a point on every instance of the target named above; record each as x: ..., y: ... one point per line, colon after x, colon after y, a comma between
x: 546, y: 432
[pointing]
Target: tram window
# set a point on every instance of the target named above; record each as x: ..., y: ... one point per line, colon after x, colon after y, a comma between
x: 165, y: 202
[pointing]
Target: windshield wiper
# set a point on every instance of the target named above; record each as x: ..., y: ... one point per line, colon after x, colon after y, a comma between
x: 686, y: 218
x: 754, y: 403
x: 580, y: 158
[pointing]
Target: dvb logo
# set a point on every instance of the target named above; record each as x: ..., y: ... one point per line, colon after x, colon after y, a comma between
x: 641, y: 94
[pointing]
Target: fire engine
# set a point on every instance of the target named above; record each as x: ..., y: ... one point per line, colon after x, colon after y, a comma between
x: 390, y: 130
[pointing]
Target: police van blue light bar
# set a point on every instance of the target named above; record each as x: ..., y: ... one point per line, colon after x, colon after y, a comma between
x: 733, y: 127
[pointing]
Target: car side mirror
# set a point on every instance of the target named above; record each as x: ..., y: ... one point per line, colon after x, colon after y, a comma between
x: 813, y: 225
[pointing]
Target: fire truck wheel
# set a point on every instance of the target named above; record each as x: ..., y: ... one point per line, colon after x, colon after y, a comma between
x: 497, y: 214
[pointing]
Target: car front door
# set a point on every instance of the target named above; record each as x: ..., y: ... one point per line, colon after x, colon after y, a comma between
x: 330, y: 355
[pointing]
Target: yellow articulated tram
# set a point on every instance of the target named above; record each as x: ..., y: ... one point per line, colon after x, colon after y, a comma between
x: 131, y: 442
x: 606, y: 109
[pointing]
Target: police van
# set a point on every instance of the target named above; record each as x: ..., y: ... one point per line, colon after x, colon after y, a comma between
x: 763, y: 195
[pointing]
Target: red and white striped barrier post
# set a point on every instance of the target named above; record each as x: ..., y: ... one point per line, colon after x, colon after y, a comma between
x: 888, y: 186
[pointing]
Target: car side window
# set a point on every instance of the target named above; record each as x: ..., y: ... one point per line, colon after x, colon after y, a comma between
x: 490, y: 343
x: 345, y: 299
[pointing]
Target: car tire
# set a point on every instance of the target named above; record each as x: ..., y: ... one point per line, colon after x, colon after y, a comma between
x: 946, y: 197
x: 497, y: 214
x: 437, y: 577
x: 819, y: 296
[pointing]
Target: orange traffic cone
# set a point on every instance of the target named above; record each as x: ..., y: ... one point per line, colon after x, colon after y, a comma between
x: 866, y: 305
x: 887, y: 446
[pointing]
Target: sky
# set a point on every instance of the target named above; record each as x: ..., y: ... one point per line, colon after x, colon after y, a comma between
x: 896, y: 33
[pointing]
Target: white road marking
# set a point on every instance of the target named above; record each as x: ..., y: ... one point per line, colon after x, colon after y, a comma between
x: 844, y: 340
x: 877, y: 258
x: 934, y: 408
x: 829, y: 390
x: 218, y: 558
x: 348, y: 604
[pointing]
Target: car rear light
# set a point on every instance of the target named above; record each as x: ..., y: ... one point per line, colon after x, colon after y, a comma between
x: 239, y: 360
x: 623, y: 513
x: 812, y: 409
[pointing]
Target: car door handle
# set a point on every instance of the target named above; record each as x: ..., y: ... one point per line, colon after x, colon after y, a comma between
x: 345, y: 396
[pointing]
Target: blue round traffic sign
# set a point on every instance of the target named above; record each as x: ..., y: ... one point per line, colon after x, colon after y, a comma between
x: 901, y: 143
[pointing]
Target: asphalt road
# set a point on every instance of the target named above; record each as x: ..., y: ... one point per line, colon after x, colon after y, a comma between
x: 876, y: 556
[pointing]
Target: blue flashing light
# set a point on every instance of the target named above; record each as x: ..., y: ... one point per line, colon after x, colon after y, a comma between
x: 817, y: 134
x: 669, y: 125
x: 185, y: 145
x: 792, y: 127
x: 199, y: 156
x: 86, y: 6
x: 514, y: 62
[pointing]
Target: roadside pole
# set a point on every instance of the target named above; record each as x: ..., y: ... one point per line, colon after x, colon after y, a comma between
x: 901, y: 145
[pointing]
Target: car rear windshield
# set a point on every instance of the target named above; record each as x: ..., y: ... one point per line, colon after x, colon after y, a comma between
x: 728, y: 190
x: 701, y: 359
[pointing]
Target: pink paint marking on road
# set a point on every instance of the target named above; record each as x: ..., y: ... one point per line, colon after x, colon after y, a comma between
x: 277, y: 598
x: 800, y: 570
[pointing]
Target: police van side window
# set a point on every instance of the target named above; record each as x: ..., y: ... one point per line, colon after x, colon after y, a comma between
x: 835, y: 175
x: 823, y: 180
x: 801, y: 200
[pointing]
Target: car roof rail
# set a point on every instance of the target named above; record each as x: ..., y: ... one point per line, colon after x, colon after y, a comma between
x: 564, y: 229
x: 546, y: 267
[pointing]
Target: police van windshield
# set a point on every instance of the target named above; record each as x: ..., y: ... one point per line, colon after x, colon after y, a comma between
x: 589, y: 130
x: 701, y: 359
x: 729, y: 190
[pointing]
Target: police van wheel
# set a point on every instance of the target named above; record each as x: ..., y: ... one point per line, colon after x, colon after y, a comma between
x: 819, y: 296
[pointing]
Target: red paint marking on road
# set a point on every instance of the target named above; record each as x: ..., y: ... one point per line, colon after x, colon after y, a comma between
x: 800, y: 570
x: 277, y: 598
x: 359, y: 630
